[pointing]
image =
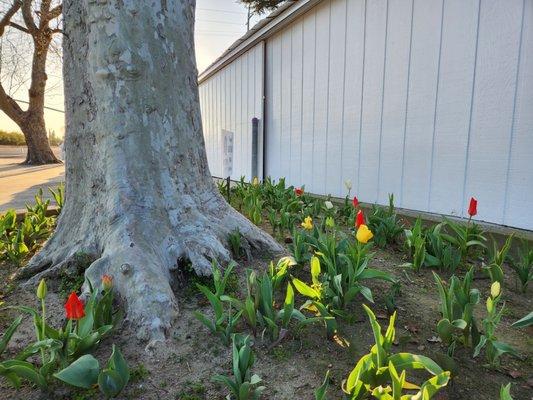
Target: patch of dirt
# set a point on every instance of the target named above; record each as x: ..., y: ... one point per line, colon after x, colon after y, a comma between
x: 182, y: 366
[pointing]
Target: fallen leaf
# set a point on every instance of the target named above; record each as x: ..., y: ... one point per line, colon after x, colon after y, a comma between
x: 434, y: 339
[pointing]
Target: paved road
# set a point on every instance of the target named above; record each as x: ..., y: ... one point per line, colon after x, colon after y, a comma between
x: 18, y: 183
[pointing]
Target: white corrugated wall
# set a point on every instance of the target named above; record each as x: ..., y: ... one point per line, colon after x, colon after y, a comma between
x: 431, y: 100
x: 229, y: 100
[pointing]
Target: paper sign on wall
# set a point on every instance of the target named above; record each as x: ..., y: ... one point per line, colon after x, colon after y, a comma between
x: 227, y: 152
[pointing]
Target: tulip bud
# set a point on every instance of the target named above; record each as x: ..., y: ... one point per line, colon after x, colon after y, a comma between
x: 495, y: 289
x: 328, y: 204
x: 255, y: 181
x: 330, y: 222
x: 490, y: 305
x: 107, y: 282
x: 42, y: 290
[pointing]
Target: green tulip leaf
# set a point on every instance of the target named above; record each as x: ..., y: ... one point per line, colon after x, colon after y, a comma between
x: 81, y: 373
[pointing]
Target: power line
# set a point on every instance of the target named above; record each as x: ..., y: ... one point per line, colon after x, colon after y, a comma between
x: 48, y: 108
x: 220, y: 22
x: 224, y: 11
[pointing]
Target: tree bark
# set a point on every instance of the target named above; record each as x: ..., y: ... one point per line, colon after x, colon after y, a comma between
x: 139, y: 193
x: 39, y: 151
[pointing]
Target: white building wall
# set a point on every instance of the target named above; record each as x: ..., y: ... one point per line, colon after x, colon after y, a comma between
x: 431, y: 100
x: 229, y: 100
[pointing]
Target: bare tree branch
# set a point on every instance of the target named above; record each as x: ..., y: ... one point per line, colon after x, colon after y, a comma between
x: 55, y: 12
x: 10, y: 12
x: 28, y: 18
x: 10, y: 107
x: 19, y: 27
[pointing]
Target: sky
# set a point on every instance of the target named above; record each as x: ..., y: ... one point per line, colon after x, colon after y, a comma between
x: 218, y: 24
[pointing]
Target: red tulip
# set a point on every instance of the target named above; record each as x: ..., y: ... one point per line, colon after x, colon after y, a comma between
x: 472, y: 208
x: 355, y: 202
x: 74, y: 307
x: 298, y: 191
x: 360, y: 220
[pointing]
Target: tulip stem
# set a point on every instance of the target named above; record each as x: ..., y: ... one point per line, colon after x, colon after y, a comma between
x: 43, y: 329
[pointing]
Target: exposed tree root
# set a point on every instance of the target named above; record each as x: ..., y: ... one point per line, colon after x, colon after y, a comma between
x: 142, y: 259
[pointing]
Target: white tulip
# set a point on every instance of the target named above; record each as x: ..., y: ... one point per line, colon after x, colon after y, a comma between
x: 348, y: 184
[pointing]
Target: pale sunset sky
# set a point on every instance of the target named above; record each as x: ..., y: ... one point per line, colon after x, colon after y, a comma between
x: 218, y: 24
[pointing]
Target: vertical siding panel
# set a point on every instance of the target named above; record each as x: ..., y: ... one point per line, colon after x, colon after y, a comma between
x: 296, y: 103
x: 224, y: 97
x: 520, y: 181
x: 221, y: 120
x: 269, y: 110
x: 353, y: 89
x: 245, y: 107
x: 274, y: 130
x: 232, y: 116
x: 395, y: 96
x: 337, y: 43
x: 247, y: 167
x: 238, y: 112
x: 372, y: 97
x: 286, y: 101
x: 321, y: 98
x: 427, y: 17
x: 453, y: 107
x: 498, y: 45
x: 259, y: 60
x: 308, y: 96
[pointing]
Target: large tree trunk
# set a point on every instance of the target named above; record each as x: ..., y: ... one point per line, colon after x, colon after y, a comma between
x: 139, y: 192
x: 39, y: 151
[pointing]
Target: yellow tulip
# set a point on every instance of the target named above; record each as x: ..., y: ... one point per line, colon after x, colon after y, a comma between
x: 364, y: 234
x: 255, y: 181
x: 495, y: 289
x: 308, y: 223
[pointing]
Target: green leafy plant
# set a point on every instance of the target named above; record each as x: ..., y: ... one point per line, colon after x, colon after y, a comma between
x: 439, y: 252
x: 505, y: 392
x: 457, y: 301
x: 320, y: 392
x: 524, y: 322
x: 85, y: 373
x: 259, y: 309
x: 467, y: 238
x: 235, y: 242
x: 59, y: 196
x: 346, y: 268
x: 384, y: 223
x: 522, y: 264
x: 243, y: 385
x: 224, y: 322
x: 391, y: 295
x: 66, y: 348
x: 494, y: 348
x: 382, y: 374
x: 415, y: 242
x: 494, y: 268
x: 279, y: 273
x: 315, y: 294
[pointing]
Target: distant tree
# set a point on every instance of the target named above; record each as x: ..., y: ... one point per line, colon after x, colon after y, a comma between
x: 39, y: 19
x: 261, y: 6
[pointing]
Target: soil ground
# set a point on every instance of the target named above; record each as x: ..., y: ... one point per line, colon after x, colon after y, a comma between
x: 182, y: 366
